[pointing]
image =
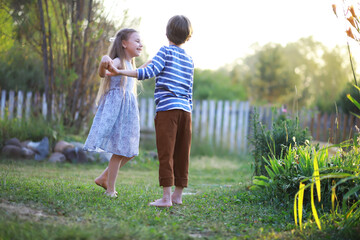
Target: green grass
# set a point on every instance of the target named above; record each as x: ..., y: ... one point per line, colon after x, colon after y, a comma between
x: 40, y: 200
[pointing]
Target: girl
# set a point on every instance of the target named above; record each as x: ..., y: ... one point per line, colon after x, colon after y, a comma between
x: 116, y: 127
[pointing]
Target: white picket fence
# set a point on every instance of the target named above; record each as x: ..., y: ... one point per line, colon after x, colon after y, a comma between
x: 222, y: 123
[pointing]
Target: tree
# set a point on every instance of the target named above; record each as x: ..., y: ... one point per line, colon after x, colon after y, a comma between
x: 70, y: 37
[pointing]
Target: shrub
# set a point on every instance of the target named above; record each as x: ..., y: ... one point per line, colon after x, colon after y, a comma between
x: 33, y: 129
x: 275, y: 142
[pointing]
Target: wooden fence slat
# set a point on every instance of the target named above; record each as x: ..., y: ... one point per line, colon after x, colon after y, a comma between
x: 142, y: 112
x: 28, y: 105
x: 211, y: 120
x: 225, y: 129
x: 240, y: 128
x: 197, y: 109
x: 19, y: 106
x: 218, y: 122
x: 246, y: 125
x: 233, y: 114
x: 150, y: 113
x: 11, y: 103
x: 3, y: 101
x: 204, y: 119
x: 44, y: 106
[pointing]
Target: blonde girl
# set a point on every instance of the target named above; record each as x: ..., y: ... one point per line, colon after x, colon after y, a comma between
x: 116, y: 127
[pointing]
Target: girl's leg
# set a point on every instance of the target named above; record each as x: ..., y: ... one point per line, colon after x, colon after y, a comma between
x: 102, y: 180
x: 116, y: 162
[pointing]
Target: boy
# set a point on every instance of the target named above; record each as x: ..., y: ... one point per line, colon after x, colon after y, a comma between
x: 174, y: 71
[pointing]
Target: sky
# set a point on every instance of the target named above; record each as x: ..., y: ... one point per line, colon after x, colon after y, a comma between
x: 225, y: 30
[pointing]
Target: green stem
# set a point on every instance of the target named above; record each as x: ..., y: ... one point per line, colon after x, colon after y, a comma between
x: 352, y: 66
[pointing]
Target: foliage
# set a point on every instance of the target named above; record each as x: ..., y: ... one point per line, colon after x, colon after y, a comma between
x: 21, y: 69
x: 295, y: 72
x: 33, y: 129
x: 67, y: 39
x: 275, y: 142
x: 218, y: 85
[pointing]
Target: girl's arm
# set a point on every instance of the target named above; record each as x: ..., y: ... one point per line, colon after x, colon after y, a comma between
x: 113, y: 71
x: 104, y: 64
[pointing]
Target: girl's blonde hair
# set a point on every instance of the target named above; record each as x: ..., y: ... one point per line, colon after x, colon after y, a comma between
x: 116, y: 50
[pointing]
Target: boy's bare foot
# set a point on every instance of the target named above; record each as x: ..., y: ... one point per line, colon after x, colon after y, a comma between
x: 111, y: 194
x: 101, y: 182
x: 176, y: 199
x: 161, y: 203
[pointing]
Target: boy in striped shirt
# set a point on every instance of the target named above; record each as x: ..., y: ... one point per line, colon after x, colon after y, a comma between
x: 174, y: 71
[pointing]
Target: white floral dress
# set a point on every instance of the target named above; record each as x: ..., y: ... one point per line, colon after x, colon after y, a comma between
x: 116, y: 127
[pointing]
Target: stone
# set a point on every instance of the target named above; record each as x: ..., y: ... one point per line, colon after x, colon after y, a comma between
x: 27, y: 153
x: 75, y: 155
x: 12, y: 151
x: 41, y: 148
x: 25, y: 143
x: 57, y: 157
x: 61, y: 146
x: 13, y: 142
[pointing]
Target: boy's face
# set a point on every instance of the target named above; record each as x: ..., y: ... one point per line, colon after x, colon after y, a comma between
x: 133, y: 46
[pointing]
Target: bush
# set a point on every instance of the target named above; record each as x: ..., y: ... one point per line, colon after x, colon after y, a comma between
x: 275, y: 142
x: 34, y: 129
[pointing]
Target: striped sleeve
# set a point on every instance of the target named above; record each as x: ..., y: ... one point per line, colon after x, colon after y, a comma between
x: 155, y: 67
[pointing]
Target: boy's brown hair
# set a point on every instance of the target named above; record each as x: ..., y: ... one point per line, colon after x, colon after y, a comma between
x: 179, y: 29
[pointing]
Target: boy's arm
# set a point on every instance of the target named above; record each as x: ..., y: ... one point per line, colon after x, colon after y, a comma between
x: 113, y: 71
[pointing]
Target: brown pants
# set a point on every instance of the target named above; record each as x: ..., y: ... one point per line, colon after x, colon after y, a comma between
x: 173, y: 142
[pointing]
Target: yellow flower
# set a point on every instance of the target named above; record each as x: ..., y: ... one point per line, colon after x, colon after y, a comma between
x: 349, y: 33
x: 351, y: 9
x: 351, y: 20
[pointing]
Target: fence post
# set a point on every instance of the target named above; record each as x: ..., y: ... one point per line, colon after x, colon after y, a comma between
x: 211, y: 120
x: 142, y: 112
x: 196, y: 116
x: 44, y: 106
x: 204, y: 119
x: 11, y: 103
x: 226, y: 124
x: 3, y: 101
x: 218, y: 122
x: 246, y: 123
x: 20, y: 100
x: 28, y: 104
x: 233, y: 114
x: 150, y: 113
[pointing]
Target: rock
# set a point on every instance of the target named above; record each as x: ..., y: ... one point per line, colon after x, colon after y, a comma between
x: 27, y: 153
x: 61, y: 146
x: 75, y: 155
x: 77, y: 144
x: 57, y: 157
x: 41, y: 148
x: 25, y: 143
x: 12, y: 151
x: 13, y: 142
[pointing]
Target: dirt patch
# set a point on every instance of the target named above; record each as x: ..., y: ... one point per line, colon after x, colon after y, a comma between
x: 27, y: 213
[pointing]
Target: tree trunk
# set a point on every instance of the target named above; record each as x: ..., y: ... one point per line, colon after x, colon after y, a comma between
x: 45, y: 56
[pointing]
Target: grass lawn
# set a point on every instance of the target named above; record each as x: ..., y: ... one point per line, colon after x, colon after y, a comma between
x: 40, y: 200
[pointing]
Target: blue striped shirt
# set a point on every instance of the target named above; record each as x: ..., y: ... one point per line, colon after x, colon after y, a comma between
x: 174, y: 71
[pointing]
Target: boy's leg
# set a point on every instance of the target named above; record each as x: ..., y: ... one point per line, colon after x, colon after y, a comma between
x: 166, y: 128
x: 181, y: 156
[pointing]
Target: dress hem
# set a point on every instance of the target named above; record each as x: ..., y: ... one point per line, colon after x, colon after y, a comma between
x: 100, y: 150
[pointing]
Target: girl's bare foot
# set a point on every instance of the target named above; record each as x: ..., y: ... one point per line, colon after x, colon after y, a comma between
x: 176, y: 199
x: 161, y: 203
x: 101, y: 182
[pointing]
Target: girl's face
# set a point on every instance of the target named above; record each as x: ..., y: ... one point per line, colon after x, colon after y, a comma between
x: 133, y: 46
